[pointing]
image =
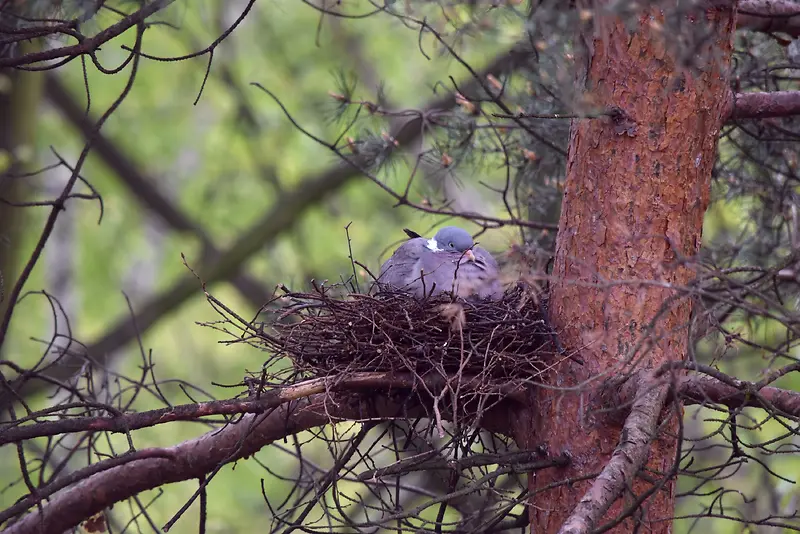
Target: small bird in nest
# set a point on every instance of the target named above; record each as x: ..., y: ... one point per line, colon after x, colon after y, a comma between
x: 449, y: 262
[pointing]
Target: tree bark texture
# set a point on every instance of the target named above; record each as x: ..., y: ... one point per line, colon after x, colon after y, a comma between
x: 637, y: 188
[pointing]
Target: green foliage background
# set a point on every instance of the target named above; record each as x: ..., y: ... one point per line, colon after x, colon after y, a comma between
x: 225, y: 176
x: 225, y: 173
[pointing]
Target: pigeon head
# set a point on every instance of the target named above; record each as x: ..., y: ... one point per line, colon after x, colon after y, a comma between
x: 453, y: 239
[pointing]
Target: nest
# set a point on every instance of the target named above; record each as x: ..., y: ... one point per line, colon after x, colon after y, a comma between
x: 325, y: 334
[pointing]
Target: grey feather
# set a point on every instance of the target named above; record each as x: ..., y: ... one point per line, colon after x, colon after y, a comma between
x: 397, y: 270
x: 421, y: 271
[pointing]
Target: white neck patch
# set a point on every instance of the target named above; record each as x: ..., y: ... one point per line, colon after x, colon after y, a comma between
x: 433, y: 245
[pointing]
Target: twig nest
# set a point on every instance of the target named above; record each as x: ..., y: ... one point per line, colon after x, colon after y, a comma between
x: 324, y: 334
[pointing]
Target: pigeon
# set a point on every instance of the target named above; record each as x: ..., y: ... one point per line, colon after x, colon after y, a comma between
x: 450, y: 262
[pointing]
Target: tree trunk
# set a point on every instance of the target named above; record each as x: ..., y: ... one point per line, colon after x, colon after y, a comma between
x: 18, y: 117
x: 637, y: 188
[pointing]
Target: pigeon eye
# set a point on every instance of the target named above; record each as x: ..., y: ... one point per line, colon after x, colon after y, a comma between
x: 451, y: 245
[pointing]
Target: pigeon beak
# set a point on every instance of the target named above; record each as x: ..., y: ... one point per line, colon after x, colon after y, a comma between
x: 470, y: 255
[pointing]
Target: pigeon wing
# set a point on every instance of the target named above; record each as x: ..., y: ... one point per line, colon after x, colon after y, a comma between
x: 439, y: 271
x: 399, y: 270
x: 490, y: 288
x: 479, y: 279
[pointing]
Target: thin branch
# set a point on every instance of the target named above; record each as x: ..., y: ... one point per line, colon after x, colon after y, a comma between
x: 287, y: 210
x: 764, y: 105
x: 59, y: 204
x: 117, y: 422
x: 769, y: 16
x: 90, y: 44
x: 698, y: 389
x: 284, y: 412
x: 521, y: 461
x: 192, y: 459
x: 143, y: 187
x: 630, y: 454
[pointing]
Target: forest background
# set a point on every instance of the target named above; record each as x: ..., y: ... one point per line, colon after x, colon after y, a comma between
x: 199, y: 166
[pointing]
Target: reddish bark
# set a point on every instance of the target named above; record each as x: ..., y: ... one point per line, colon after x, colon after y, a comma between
x: 770, y: 16
x: 764, y: 105
x: 636, y: 192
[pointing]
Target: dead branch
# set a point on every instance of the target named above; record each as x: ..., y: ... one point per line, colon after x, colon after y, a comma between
x: 697, y: 389
x: 286, y: 211
x: 17, y: 431
x: 87, y: 45
x: 286, y: 411
x: 629, y: 456
x: 522, y: 462
x: 143, y: 187
x: 703, y: 390
x: 770, y: 16
x: 764, y: 105
x: 193, y: 459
